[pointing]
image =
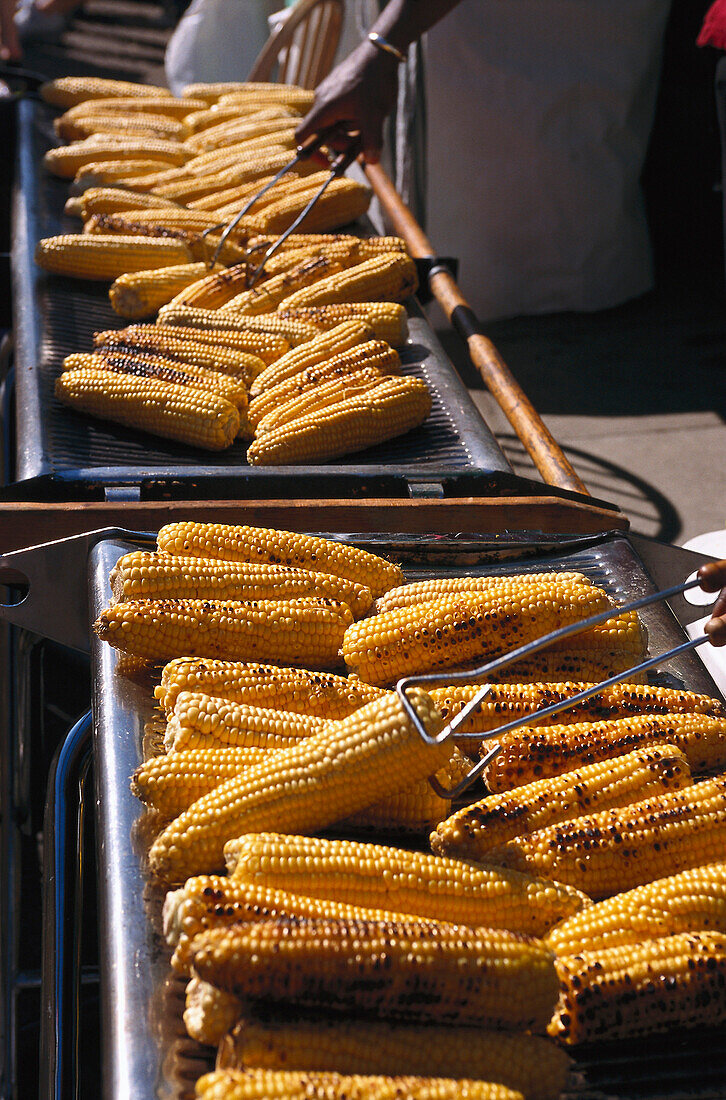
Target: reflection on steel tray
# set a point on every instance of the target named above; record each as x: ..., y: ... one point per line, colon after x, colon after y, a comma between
x: 55, y: 316
x: 143, y: 1053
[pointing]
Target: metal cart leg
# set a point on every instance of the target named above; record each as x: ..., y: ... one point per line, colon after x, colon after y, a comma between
x: 62, y: 887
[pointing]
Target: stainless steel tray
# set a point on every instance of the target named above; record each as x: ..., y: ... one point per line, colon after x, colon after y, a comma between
x: 145, y: 1054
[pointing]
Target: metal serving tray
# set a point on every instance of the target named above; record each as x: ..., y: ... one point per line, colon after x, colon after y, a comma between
x: 63, y: 452
x: 145, y: 1053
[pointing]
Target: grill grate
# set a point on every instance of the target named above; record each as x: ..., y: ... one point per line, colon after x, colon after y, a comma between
x: 56, y: 316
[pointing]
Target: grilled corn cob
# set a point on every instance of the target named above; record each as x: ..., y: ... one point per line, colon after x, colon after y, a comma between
x: 251, y: 348
x: 344, y: 201
x: 433, y: 974
x: 109, y: 170
x: 172, y: 411
x: 98, y: 122
x: 472, y: 831
x: 111, y: 200
x: 140, y: 575
x: 679, y: 903
x: 570, y: 664
x: 527, y: 1063
x: 209, y: 1013
x: 614, y: 850
x: 529, y: 753
x: 259, y: 629
x: 321, y: 348
x: 290, y: 1085
x: 66, y: 91
x: 261, y: 544
x: 316, y: 693
x: 236, y: 130
x: 124, y: 105
x: 318, y: 399
x: 507, y: 702
x: 254, y: 91
x: 372, y: 875
x: 417, y: 592
x: 389, y: 277
x: 268, y: 295
x: 387, y: 320
x: 623, y: 992
x: 354, y: 763
x: 463, y: 627
x: 168, y: 370
x: 247, y: 164
x: 268, y: 323
x: 107, y: 257
x: 66, y: 160
x: 394, y: 407
x: 200, y: 722
x: 139, y: 294
x: 154, y: 340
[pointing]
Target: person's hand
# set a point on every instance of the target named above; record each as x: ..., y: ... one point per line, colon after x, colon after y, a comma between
x: 358, y: 94
x: 9, y: 42
x: 712, y: 577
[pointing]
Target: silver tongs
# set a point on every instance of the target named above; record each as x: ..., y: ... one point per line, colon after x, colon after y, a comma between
x: 453, y: 727
x: 316, y: 145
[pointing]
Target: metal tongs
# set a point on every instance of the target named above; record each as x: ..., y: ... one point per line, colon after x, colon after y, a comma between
x: 452, y: 728
x: 314, y: 146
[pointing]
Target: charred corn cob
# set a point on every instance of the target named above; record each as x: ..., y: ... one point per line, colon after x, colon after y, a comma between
x: 387, y: 320
x: 533, y: 753
x: 209, y: 1013
x: 168, y: 370
x: 506, y: 702
x: 139, y: 294
x: 201, y: 722
x: 472, y: 831
x: 434, y: 973
x: 371, y: 357
x: 344, y: 201
x: 154, y: 340
x: 570, y: 664
x: 318, y: 399
x: 463, y: 627
x: 249, y: 165
x: 111, y: 200
x: 614, y: 850
x: 389, y: 277
x: 372, y: 875
x: 67, y: 159
x: 354, y: 763
x: 322, y: 347
x: 679, y: 903
x: 214, y: 290
x: 66, y: 91
x: 527, y: 1063
x: 675, y: 982
x: 394, y: 407
x: 317, y: 693
x: 172, y: 411
x: 256, y: 630
x: 107, y: 257
x: 291, y: 1085
x: 143, y: 576
x: 268, y: 324
x: 261, y: 544
x: 268, y: 295
x: 252, y: 347
x: 417, y: 592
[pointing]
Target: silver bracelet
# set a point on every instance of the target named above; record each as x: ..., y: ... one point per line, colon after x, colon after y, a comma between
x: 383, y: 44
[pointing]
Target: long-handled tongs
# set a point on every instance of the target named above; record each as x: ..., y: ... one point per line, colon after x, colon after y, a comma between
x: 314, y: 145
x: 452, y: 729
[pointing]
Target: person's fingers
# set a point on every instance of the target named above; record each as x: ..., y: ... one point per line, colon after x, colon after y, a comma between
x: 719, y: 608
x: 319, y: 118
x: 10, y: 49
x: 371, y: 139
x: 716, y: 630
x: 712, y: 575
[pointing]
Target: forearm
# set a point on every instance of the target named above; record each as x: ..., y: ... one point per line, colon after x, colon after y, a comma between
x: 404, y: 21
